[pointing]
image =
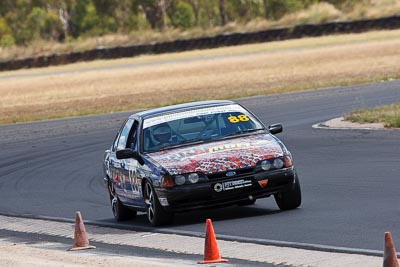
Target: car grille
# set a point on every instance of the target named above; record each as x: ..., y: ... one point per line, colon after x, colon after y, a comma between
x: 240, y: 172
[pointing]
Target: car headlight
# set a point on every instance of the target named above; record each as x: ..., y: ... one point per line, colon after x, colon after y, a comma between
x: 180, y: 179
x: 193, y: 178
x: 278, y: 163
x: 265, y: 165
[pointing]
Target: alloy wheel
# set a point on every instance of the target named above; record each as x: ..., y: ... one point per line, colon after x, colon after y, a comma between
x: 150, y: 202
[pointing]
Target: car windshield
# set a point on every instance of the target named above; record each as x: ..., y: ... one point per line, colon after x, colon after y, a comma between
x: 197, y: 126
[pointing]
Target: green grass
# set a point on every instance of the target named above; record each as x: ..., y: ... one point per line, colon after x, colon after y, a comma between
x: 389, y: 115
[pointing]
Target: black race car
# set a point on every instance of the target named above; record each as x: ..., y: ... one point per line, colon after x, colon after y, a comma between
x: 197, y: 155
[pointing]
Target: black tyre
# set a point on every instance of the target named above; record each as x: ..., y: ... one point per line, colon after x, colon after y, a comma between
x: 290, y: 199
x: 155, y: 212
x: 120, y: 212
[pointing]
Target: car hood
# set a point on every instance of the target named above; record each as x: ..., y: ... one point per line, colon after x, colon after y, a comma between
x: 219, y: 156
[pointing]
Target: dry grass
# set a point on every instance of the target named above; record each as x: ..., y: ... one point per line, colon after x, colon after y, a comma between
x: 374, y: 9
x: 304, y: 43
x: 389, y: 115
x: 320, y: 12
x: 278, y: 67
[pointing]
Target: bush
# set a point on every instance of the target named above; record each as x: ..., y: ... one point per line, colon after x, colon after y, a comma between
x: 39, y: 24
x: 6, y: 38
x: 93, y: 24
x: 53, y: 29
x: 183, y: 16
x: 139, y: 23
x: 90, y: 21
x: 36, y: 22
x: 244, y: 10
x: 276, y: 9
x: 208, y: 17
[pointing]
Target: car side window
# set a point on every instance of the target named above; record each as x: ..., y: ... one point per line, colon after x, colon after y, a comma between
x: 123, y: 137
x: 114, y: 146
x: 132, y: 140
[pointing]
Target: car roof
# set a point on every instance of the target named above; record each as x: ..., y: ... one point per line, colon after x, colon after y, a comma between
x: 180, y: 107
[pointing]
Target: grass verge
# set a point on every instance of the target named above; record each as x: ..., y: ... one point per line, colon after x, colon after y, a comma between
x: 224, y: 73
x: 389, y: 115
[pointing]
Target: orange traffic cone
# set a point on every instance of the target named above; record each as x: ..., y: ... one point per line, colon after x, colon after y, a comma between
x: 81, y: 240
x: 211, y: 252
x: 389, y: 255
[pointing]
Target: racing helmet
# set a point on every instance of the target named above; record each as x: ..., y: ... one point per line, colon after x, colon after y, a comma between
x: 162, y: 133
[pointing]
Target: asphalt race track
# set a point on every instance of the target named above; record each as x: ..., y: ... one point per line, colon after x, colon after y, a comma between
x: 350, y: 178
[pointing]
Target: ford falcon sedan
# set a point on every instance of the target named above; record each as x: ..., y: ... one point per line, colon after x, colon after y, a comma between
x: 197, y: 155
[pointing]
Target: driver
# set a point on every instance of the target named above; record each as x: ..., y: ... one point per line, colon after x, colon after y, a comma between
x: 162, y: 133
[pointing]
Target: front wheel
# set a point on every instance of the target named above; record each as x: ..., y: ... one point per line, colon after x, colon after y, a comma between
x: 290, y: 199
x: 155, y: 212
x: 120, y: 212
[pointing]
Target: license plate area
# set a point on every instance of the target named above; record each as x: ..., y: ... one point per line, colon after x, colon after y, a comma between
x: 226, y: 186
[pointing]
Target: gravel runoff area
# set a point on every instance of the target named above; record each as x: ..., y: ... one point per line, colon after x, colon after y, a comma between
x: 46, y: 253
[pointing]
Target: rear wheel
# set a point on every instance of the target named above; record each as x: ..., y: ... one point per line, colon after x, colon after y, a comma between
x: 120, y: 212
x: 290, y: 199
x: 155, y: 212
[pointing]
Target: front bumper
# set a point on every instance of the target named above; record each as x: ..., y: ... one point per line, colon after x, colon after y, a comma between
x: 227, y: 191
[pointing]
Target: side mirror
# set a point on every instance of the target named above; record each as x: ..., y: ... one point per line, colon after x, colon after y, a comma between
x: 129, y: 154
x: 275, y: 128
x: 126, y: 154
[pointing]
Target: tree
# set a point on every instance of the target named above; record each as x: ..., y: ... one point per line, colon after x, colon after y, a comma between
x: 196, y: 9
x: 36, y: 21
x: 162, y: 6
x: 64, y: 10
x: 125, y: 16
x: 91, y: 21
x: 78, y: 13
x: 222, y: 15
x: 183, y: 16
x: 54, y: 27
x: 155, y: 11
x: 22, y: 21
x: 208, y: 14
x: 16, y: 17
x: 6, y: 38
x: 104, y: 16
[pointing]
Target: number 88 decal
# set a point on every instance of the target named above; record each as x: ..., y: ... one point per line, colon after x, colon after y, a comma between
x: 239, y: 118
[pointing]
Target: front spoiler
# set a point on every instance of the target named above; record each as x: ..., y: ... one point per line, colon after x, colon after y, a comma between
x: 203, y: 195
